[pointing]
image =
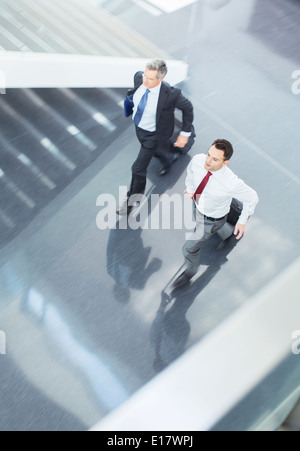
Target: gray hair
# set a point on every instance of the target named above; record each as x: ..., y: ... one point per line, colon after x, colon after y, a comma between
x: 160, y: 66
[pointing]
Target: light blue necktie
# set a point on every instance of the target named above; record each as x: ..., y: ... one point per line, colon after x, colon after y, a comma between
x: 141, y: 108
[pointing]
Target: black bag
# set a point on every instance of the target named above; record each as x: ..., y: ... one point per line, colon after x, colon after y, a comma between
x: 185, y: 149
x: 235, y: 212
x: 228, y: 229
x: 128, y: 106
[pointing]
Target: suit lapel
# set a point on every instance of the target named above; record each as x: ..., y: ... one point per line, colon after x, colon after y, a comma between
x: 164, y: 93
x: 162, y: 100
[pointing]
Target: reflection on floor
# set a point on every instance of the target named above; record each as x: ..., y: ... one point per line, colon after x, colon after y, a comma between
x: 47, y: 138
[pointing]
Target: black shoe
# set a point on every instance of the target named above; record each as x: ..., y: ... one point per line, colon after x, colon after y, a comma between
x: 182, y: 280
x: 166, y: 169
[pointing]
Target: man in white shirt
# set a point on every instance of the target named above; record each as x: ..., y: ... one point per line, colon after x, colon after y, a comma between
x: 154, y: 105
x: 211, y: 185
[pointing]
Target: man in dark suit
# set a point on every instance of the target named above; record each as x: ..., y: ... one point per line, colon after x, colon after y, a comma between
x: 154, y: 103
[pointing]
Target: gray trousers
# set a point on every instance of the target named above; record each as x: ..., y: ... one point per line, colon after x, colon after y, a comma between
x: 205, y: 229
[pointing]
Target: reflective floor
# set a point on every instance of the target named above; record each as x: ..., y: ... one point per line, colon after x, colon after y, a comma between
x: 81, y: 308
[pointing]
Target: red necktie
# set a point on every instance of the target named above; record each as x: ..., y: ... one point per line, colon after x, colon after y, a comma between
x: 201, y: 187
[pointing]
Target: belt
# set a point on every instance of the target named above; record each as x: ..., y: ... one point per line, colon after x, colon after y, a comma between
x: 214, y: 219
x: 208, y: 218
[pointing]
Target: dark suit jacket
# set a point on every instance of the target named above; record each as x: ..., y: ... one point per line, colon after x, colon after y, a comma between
x: 170, y: 99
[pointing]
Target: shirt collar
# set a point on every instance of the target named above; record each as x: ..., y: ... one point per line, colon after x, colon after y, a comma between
x: 155, y: 90
x: 220, y: 172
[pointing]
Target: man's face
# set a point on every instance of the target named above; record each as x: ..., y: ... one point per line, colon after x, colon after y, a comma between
x: 215, y: 160
x: 150, y: 79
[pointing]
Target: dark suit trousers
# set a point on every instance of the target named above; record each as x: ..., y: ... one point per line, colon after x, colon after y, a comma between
x: 149, y: 146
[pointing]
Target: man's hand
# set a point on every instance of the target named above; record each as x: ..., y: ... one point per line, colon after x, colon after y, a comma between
x: 189, y: 195
x: 239, y: 231
x: 181, y: 142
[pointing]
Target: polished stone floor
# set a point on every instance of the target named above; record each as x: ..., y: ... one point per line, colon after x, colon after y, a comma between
x: 85, y: 322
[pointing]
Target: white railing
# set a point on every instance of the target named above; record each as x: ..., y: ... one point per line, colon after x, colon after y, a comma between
x: 37, y: 70
x: 202, y: 387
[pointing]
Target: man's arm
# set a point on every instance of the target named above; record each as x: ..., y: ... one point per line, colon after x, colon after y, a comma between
x: 190, y: 184
x: 182, y: 141
x: 239, y: 231
x: 187, y: 109
x: 249, y: 198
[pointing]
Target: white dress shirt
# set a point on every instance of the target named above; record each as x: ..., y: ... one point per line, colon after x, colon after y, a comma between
x: 148, y: 121
x: 222, y: 187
